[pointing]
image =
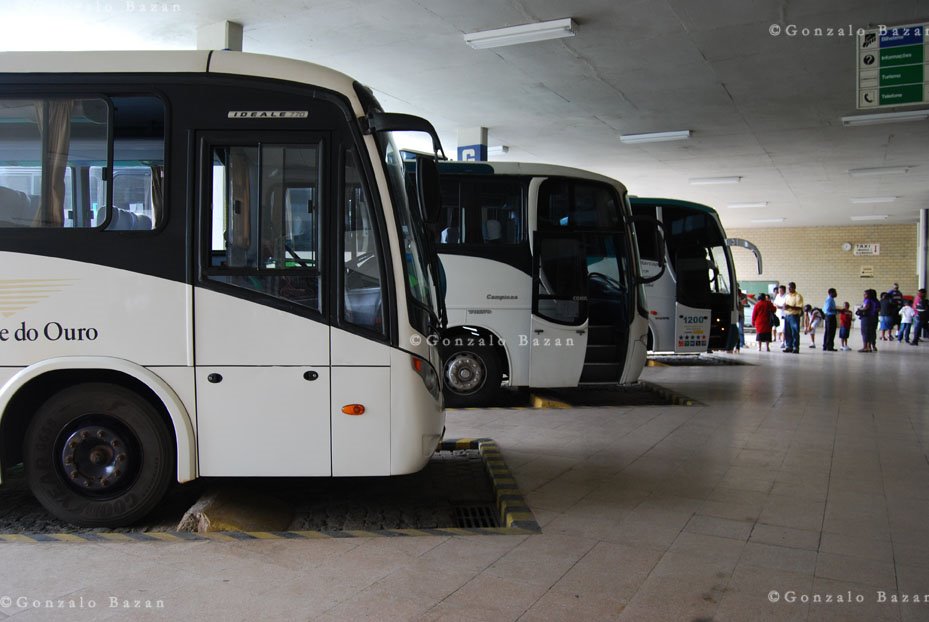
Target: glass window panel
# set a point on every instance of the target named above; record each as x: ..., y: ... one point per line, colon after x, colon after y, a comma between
x: 265, y: 223
x: 361, y: 258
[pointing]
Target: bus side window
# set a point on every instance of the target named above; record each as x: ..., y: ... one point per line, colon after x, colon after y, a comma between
x: 501, y: 205
x: 46, y: 145
x: 138, y: 166
x: 451, y: 225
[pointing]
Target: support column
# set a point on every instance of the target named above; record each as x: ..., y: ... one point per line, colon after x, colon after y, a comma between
x: 472, y: 144
x: 922, y: 248
x: 220, y: 36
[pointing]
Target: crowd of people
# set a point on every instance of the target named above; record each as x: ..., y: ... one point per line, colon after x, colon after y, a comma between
x: 783, y: 316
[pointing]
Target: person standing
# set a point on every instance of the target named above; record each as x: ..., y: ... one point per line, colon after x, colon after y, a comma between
x: 829, y: 313
x: 868, y: 312
x: 886, y: 316
x: 906, y: 322
x: 845, y: 326
x: 896, y: 296
x: 922, y: 315
x: 793, y: 311
x: 780, y: 295
x: 762, y: 312
x: 743, y: 302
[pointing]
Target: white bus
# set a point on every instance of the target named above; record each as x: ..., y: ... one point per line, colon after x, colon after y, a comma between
x: 694, y: 305
x: 209, y: 266
x: 543, y: 282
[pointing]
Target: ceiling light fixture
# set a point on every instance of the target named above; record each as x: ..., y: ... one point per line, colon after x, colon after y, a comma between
x: 866, y: 200
x: 768, y: 220
x: 654, y: 137
x: 870, y: 217
x: 748, y: 205
x: 885, y: 117
x: 526, y: 33
x: 879, y: 170
x: 712, y: 181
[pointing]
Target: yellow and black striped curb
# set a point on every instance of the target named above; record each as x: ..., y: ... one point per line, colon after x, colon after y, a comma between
x: 515, y: 515
x: 674, y: 398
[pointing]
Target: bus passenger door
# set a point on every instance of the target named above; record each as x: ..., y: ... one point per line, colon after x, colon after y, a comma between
x: 558, y: 329
x: 692, y: 323
x: 261, y: 337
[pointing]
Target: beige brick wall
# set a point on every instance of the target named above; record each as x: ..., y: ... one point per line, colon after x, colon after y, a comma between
x: 813, y: 258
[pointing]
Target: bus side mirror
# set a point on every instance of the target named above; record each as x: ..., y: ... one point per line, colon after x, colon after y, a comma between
x: 655, y: 227
x: 428, y: 188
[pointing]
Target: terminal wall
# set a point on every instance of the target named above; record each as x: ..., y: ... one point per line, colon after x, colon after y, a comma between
x: 813, y: 258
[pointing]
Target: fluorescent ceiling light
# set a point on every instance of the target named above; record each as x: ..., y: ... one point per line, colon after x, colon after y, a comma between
x: 654, y: 137
x: 767, y: 220
x: 712, y: 181
x: 870, y: 217
x: 526, y: 33
x: 885, y: 117
x: 863, y: 200
x: 748, y: 205
x: 497, y: 150
x: 879, y: 170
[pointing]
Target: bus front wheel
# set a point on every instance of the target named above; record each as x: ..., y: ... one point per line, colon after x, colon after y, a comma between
x: 472, y: 376
x: 98, y: 455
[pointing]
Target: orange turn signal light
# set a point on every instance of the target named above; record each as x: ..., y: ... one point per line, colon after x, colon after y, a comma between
x: 353, y: 409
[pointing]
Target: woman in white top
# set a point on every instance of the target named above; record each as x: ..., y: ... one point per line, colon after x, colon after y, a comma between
x: 779, y: 299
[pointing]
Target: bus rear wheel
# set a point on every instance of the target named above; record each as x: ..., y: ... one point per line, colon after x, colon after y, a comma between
x: 471, y: 376
x: 98, y: 455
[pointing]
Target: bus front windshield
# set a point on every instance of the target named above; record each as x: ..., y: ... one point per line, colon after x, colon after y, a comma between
x: 416, y: 255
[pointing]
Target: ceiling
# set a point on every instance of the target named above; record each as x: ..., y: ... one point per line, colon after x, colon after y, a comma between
x: 761, y: 107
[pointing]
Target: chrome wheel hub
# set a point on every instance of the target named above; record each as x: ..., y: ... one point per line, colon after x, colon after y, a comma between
x: 465, y: 373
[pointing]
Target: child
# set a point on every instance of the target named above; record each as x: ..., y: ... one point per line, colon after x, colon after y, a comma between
x: 845, y: 326
x: 814, y: 317
x: 906, y: 321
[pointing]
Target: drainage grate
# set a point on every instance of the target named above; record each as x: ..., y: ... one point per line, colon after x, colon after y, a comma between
x: 476, y: 516
x: 692, y: 360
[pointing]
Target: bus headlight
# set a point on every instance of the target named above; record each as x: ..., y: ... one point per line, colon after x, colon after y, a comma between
x: 427, y: 373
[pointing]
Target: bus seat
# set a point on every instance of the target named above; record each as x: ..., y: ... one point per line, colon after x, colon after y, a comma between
x: 143, y: 222
x: 17, y: 208
x: 124, y: 220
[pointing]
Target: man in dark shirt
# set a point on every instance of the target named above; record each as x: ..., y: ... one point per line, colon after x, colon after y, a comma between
x: 829, y: 312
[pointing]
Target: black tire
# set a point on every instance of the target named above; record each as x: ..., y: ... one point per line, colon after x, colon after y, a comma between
x: 99, y: 455
x: 488, y: 364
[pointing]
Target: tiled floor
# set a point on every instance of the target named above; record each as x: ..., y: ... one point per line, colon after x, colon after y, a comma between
x: 804, y: 476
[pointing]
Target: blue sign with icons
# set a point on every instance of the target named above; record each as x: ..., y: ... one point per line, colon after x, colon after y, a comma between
x: 472, y: 153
